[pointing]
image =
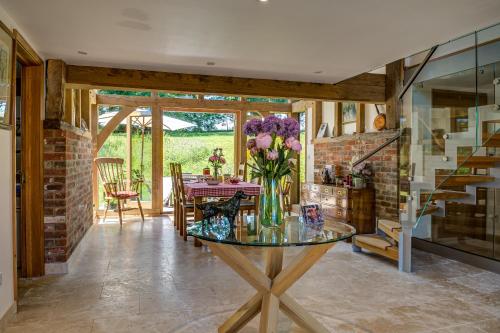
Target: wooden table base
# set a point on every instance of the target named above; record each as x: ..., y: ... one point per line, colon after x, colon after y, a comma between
x: 271, y: 287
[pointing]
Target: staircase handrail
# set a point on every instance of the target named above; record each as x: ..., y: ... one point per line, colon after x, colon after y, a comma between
x: 376, y: 150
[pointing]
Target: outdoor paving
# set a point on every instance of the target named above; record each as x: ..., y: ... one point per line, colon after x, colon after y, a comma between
x: 145, y: 278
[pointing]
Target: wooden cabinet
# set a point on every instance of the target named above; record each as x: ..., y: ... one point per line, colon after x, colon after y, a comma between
x: 353, y: 206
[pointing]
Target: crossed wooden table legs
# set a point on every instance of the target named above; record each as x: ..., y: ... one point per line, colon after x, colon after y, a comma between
x: 271, y: 287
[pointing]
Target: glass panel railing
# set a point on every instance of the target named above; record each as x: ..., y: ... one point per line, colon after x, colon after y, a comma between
x: 450, y: 144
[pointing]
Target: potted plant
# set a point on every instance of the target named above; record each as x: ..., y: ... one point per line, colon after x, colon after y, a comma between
x: 273, y: 148
x: 361, y: 175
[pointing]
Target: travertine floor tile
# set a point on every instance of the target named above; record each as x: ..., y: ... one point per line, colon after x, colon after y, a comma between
x: 145, y: 278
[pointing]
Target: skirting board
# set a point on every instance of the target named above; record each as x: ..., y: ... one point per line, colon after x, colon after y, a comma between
x: 56, y: 268
x: 7, y: 316
x: 454, y: 254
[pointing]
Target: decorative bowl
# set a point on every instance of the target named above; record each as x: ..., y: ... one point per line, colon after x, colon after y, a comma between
x: 234, y: 180
x: 213, y: 182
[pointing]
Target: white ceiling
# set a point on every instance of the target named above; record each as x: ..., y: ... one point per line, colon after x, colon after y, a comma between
x: 280, y: 39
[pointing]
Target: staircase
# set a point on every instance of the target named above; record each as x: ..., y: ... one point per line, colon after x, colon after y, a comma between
x: 384, y: 242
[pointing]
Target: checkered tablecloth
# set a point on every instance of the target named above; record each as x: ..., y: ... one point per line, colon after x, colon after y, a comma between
x: 221, y: 190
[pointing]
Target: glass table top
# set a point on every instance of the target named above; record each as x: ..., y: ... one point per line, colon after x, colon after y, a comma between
x: 248, y: 232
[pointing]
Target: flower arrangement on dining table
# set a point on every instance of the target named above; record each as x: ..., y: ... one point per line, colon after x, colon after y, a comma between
x: 273, y: 149
x: 217, y: 160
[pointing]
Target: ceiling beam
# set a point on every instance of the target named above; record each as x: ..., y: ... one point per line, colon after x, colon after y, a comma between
x: 366, y: 87
x: 192, y: 104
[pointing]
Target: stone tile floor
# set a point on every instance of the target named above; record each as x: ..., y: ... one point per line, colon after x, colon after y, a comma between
x: 145, y: 278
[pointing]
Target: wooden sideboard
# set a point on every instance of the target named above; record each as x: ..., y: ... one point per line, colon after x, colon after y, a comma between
x: 353, y: 206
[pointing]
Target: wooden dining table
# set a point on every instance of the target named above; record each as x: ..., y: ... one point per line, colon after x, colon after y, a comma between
x: 196, y: 191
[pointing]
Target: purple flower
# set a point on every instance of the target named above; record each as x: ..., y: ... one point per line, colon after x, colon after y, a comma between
x: 253, y: 127
x: 273, y: 125
x: 263, y: 141
x: 291, y: 127
x: 272, y: 155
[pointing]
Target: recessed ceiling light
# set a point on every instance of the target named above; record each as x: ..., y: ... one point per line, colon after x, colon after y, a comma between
x: 82, y: 52
x: 263, y: 0
x: 318, y: 72
x: 210, y: 63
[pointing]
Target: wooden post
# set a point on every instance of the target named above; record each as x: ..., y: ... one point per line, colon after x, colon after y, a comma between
x: 85, y: 107
x: 337, y: 130
x: 360, y: 118
x: 77, y: 103
x: 157, y: 161
x: 68, y: 107
x: 93, y: 123
x: 317, y: 117
x: 394, y: 83
x: 56, y: 79
x: 128, y: 152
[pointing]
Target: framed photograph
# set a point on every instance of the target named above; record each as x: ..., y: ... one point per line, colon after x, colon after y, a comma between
x: 5, y: 74
x: 348, y: 113
x: 313, y: 217
x: 322, y: 130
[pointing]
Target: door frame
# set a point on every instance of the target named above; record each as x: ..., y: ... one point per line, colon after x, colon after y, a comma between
x: 32, y: 101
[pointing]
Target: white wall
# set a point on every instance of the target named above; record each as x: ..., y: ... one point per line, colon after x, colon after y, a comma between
x: 6, y: 246
x: 6, y: 195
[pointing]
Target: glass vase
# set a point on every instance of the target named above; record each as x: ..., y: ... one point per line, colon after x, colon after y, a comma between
x: 270, y: 207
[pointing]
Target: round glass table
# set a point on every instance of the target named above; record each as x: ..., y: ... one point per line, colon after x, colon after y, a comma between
x: 271, y: 285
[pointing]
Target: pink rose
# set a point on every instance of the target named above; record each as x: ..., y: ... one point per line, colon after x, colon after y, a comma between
x: 263, y: 141
x: 272, y: 155
x: 296, y: 146
x: 289, y: 141
x: 212, y: 158
x: 222, y: 160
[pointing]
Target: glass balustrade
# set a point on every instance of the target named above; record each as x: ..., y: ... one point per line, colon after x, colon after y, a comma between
x: 450, y: 158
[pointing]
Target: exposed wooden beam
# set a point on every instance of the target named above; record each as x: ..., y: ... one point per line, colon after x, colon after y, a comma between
x: 192, y: 104
x: 111, y: 125
x: 85, y: 106
x: 360, y: 118
x: 393, y: 106
x: 362, y: 88
x: 56, y: 78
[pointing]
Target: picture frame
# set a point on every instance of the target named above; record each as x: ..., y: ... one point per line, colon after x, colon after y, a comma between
x: 349, y: 112
x: 313, y: 216
x: 322, y: 131
x: 6, y: 59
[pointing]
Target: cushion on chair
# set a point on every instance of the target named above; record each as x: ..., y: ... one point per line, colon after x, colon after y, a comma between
x: 126, y: 194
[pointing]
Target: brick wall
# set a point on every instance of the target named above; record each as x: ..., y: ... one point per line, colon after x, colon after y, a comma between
x: 340, y: 151
x: 67, y: 191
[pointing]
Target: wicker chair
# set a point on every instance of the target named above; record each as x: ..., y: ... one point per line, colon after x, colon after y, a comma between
x: 112, y: 176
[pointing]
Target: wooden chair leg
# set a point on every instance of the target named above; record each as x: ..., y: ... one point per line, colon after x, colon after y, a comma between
x: 177, y: 214
x: 140, y: 208
x: 184, y: 224
x: 106, y: 210
x: 120, y: 211
x: 179, y: 224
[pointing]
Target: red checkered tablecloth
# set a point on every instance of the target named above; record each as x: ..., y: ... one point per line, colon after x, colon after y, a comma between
x: 221, y: 190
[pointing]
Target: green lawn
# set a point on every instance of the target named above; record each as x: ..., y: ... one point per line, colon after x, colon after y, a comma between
x: 190, y: 149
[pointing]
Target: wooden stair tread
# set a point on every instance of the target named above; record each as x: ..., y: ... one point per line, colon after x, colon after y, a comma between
x: 378, y: 245
x: 492, y: 140
x: 430, y: 209
x: 479, y: 161
x: 444, y: 195
x: 457, y: 180
x: 390, y: 225
x: 374, y: 240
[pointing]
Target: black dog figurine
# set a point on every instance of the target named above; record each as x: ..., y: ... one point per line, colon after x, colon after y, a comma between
x: 228, y: 208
